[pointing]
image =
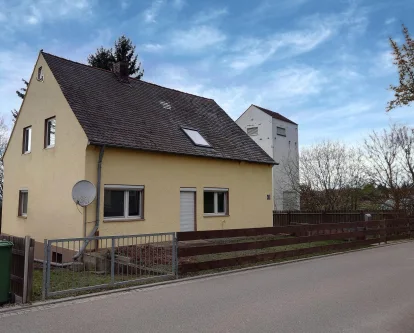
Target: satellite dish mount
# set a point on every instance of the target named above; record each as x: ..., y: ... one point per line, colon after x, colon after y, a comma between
x: 83, y: 193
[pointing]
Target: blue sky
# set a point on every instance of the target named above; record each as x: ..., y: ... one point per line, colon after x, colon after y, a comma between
x: 325, y: 64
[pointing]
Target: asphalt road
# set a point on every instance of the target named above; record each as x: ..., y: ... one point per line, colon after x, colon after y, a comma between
x: 367, y: 291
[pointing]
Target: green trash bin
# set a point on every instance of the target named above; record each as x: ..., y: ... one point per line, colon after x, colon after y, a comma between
x: 5, y: 266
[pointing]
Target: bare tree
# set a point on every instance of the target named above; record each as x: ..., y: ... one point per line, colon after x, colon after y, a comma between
x: 331, y: 175
x: 390, y: 163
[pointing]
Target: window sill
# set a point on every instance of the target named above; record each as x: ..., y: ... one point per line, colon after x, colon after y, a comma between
x: 49, y: 147
x: 216, y: 215
x: 26, y: 153
x: 123, y: 219
x: 22, y: 217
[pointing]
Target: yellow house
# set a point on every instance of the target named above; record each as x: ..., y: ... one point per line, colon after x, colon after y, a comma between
x: 162, y: 160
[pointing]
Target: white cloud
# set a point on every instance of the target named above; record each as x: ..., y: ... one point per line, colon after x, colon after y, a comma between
x: 253, y: 52
x: 124, y: 4
x: 151, y: 13
x: 382, y: 64
x: 288, y: 87
x: 296, y: 82
x: 390, y: 20
x: 152, y: 47
x: 15, y: 65
x: 178, y: 4
x: 17, y: 14
x: 196, y: 38
x: 209, y: 15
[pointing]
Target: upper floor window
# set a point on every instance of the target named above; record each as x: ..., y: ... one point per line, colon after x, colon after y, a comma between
x: 281, y: 131
x: 50, y: 132
x: 252, y: 131
x: 40, y: 74
x: 27, y: 140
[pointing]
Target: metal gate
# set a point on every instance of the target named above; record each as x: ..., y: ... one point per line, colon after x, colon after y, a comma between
x: 73, y: 265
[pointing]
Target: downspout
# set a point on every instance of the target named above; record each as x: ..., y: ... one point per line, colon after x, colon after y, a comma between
x: 98, y: 204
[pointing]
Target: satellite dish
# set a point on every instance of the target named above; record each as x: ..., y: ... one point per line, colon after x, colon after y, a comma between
x: 83, y: 193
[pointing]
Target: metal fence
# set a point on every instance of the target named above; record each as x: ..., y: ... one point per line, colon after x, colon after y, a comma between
x: 76, y: 264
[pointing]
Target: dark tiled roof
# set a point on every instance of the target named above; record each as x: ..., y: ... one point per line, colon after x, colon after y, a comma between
x: 132, y: 115
x: 275, y: 115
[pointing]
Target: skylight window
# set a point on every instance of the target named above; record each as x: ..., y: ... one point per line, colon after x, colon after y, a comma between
x: 196, y: 137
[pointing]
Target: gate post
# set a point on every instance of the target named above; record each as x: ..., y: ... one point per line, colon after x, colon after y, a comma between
x: 113, y: 261
x: 175, y: 255
x: 46, y: 270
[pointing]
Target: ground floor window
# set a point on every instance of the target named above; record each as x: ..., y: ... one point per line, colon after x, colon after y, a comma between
x: 216, y: 201
x: 23, y: 201
x: 123, y: 202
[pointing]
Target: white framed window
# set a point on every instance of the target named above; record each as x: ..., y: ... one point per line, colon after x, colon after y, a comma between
x: 27, y: 140
x: 23, y: 201
x: 252, y: 131
x: 196, y: 137
x: 123, y: 202
x: 50, y: 132
x: 216, y: 201
x: 281, y: 131
x: 40, y: 74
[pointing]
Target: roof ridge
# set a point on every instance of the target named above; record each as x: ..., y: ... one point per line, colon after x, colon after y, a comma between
x: 134, y: 78
x: 270, y: 112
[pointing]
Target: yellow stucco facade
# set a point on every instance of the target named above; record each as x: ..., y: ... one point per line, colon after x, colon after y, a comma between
x: 49, y: 175
x: 163, y: 175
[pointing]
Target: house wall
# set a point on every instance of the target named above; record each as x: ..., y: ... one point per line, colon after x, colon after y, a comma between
x: 253, y: 117
x: 275, y: 146
x: 164, y: 174
x: 285, y: 150
x: 48, y: 174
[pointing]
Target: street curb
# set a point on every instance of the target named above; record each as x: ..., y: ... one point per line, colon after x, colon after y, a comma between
x: 15, y: 308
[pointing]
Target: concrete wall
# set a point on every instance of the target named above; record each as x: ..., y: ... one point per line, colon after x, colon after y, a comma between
x: 253, y: 117
x: 164, y: 174
x: 48, y: 174
x: 278, y: 147
x: 285, y: 150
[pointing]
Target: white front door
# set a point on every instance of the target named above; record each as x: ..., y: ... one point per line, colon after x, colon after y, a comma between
x: 187, y: 211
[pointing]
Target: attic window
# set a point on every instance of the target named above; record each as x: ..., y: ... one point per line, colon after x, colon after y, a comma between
x: 252, y: 131
x: 165, y: 105
x: 196, y: 137
x: 40, y: 74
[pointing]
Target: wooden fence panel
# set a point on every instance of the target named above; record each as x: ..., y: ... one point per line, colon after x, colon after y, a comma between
x: 286, y: 218
x: 355, y: 233
x: 18, y: 267
x: 230, y: 262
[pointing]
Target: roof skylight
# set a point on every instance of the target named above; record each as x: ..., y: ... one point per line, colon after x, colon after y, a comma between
x: 196, y: 137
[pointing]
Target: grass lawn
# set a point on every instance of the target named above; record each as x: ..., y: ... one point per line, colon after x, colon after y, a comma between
x: 65, y: 279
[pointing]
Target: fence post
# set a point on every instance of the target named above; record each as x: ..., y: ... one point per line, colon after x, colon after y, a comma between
x: 26, y: 267
x: 46, y: 270
x: 113, y: 261
x: 175, y: 255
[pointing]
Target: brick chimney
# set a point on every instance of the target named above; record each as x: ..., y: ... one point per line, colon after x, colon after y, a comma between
x: 121, y: 70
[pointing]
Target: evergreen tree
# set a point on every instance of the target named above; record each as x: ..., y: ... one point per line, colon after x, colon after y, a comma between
x: 123, y: 50
x: 21, y: 93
